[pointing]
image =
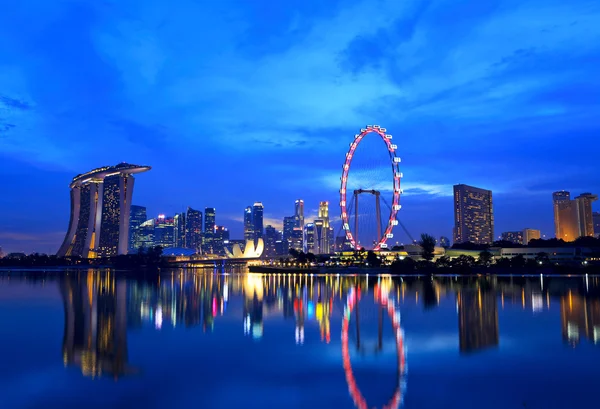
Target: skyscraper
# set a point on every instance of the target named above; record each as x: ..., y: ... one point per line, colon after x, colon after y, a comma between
x: 586, y: 222
x: 221, y: 237
x: 272, y: 236
x: 310, y: 235
x: 180, y: 235
x: 248, y: 225
x: 288, y: 232
x: 324, y: 240
x: 473, y: 215
x: 209, y: 230
x: 596, y: 220
x: 299, y: 218
x: 100, y: 211
x: 137, y: 216
x: 257, y: 220
x: 193, y: 229
x: 164, y: 231
x: 566, y: 216
x: 530, y: 234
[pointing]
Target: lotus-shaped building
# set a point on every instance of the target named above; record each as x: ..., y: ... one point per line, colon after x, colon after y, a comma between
x: 250, y: 250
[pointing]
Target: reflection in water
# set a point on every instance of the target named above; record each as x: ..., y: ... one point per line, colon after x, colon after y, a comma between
x: 477, y: 320
x: 100, y: 309
x: 95, y: 336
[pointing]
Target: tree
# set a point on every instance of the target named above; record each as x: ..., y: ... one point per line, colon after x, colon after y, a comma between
x: 443, y: 262
x: 463, y: 261
x: 428, y: 245
x: 373, y: 259
x: 485, y: 258
x: 518, y: 261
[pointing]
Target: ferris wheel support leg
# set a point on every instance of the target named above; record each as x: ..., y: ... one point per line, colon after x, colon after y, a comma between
x: 378, y: 215
x: 356, y: 220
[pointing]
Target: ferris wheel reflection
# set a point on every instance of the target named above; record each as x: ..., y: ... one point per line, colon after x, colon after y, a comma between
x: 384, y: 303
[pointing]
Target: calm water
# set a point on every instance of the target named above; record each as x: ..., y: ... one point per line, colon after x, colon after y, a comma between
x: 213, y: 340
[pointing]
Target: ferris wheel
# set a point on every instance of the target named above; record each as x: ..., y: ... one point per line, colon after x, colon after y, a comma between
x: 375, y: 176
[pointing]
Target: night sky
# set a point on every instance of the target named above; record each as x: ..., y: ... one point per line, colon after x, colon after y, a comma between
x: 236, y: 101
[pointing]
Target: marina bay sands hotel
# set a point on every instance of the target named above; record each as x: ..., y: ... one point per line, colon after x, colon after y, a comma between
x: 100, y: 207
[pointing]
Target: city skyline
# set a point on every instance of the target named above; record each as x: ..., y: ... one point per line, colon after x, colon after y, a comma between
x: 135, y: 82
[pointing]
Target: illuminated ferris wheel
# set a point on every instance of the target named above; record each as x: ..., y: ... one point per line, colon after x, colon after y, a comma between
x: 373, y: 174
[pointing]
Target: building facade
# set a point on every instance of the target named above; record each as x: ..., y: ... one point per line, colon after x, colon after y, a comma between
x: 193, y: 229
x: 584, y: 207
x: 299, y: 218
x: 473, y: 215
x: 208, y: 235
x: 515, y: 237
x: 179, y: 222
x: 100, y: 212
x: 325, y: 240
x: 137, y: 216
x: 164, y: 231
x: 248, y: 226
x: 531, y: 234
x: 596, y: 220
x: 258, y: 211
x: 310, y: 235
x: 272, y: 237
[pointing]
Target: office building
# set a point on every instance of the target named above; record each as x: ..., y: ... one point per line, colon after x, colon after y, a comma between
x: 272, y: 236
x: 137, y: 216
x: 584, y: 207
x: 180, y: 235
x: 257, y: 220
x: 473, y: 215
x: 596, y: 220
x: 515, y: 237
x: 164, y: 231
x: 477, y: 320
x: 324, y: 240
x: 289, y: 223
x: 144, y: 236
x: 208, y: 235
x: 248, y: 226
x: 530, y: 234
x: 310, y: 237
x: 221, y: 238
x: 100, y: 211
x: 320, y: 236
x: 193, y: 229
x: 299, y: 218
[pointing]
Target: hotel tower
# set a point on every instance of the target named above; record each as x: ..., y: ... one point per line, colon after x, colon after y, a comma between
x: 100, y: 209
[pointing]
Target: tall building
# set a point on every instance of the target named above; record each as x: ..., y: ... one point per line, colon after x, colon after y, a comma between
x: 324, y: 240
x: 310, y: 235
x: 596, y: 220
x: 515, y: 237
x: 220, y: 239
x: 137, y: 216
x: 100, y: 211
x: 180, y: 228
x: 586, y: 221
x: 248, y: 225
x: 193, y: 229
x: 209, y: 230
x: 272, y: 236
x: 566, y: 216
x: 164, y: 231
x: 473, y: 215
x: 289, y: 223
x: 299, y: 217
x: 258, y: 211
x: 144, y: 236
x: 530, y: 234
x: 320, y: 236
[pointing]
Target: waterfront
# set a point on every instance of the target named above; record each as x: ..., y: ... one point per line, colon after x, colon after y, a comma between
x: 219, y: 340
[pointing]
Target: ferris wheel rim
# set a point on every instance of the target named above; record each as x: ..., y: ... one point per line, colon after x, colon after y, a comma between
x: 397, y: 176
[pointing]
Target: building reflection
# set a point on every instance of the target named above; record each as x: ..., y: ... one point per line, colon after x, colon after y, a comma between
x: 100, y: 309
x: 477, y: 320
x: 580, y: 317
x: 95, y: 335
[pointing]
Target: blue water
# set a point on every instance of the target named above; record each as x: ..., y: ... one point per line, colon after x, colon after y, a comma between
x: 212, y: 340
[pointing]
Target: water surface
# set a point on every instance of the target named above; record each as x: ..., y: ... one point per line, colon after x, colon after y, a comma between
x: 208, y: 339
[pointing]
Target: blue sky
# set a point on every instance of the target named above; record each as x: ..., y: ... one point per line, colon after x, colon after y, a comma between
x: 235, y: 101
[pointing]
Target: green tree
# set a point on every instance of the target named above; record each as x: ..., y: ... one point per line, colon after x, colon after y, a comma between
x: 443, y: 262
x: 428, y: 245
x: 485, y: 258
